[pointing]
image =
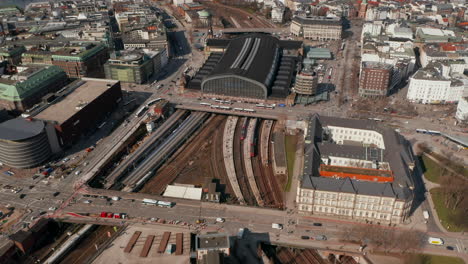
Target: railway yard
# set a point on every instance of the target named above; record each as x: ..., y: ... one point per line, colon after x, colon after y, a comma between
x: 190, y: 146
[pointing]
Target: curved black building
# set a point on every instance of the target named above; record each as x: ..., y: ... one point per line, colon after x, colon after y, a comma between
x: 23, y: 143
x: 246, y: 69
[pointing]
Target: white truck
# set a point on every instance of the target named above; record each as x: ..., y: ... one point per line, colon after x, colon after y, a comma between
x: 426, y: 216
x: 435, y: 241
x: 277, y: 226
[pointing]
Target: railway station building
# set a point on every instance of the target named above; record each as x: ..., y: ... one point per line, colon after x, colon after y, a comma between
x: 252, y: 66
x: 356, y: 169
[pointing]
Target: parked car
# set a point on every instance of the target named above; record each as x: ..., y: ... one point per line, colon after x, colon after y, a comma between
x: 305, y: 237
x: 56, y: 194
x: 317, y: 224
x: 321, y: 237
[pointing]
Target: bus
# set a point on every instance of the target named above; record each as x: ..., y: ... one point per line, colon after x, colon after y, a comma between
x: 141, y: 111
x: 146, y: 201
x: 165, y: 204
x: 343, y: 45
x: 205, y: 104
x: 238, y: 109
x: 152, y: 102
x: 225, y: 107
x: 269, y: 106
x: 214, y: 106
x: 249, y: 110
x: 260, y: 105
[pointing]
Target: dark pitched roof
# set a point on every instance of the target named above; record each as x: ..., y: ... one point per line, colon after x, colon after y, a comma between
x: 248, y: 56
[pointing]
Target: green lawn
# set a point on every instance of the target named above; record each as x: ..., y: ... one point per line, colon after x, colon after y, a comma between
x: 432, y: 170
x: 432, y: 259
x: 290, y: 145
x: 445, y: 214
x: 451, y: 164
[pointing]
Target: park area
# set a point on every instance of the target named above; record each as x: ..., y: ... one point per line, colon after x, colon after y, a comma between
x: 449, y: 197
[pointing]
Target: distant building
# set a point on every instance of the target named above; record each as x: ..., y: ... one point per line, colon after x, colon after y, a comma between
x: 79, y: 112
x: 316, y: 28
x: 81, y: 62
x: 37, y: 57
x: 277, y: 14
x: 375, y: 79
x: 135, y: 66
x: 181, y: 2
x: 434, y: 35
x: 12, y: 54
x: 356, y: 169
x: 462, y: 110
x: 21, y: 91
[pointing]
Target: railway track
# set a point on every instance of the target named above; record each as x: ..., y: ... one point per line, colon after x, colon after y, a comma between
x: 147, y: 147
x: 169, y: 173
x: 238, y: 153
x: 218, y: 168
x: 272, y: 193
x: 163, y: 151
x: 249, y: 146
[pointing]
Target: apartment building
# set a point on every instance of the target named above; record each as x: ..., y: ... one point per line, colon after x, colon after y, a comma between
x: 462, y: 110
x: 430, y: 86
x: 355, y: 169
x: 316, y: 28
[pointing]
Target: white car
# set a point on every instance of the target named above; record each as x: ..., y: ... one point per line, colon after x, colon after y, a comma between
x: 220, y: 220
x: 87, y: 202
x: 77, y: 172
x: 52, y: 208
x: 65, y: 159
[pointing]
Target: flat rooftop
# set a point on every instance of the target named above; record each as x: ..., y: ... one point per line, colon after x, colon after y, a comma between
x: 212, y: 241
x: 72, y: 103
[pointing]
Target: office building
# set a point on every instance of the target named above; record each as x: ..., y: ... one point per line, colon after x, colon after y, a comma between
x: 355, y: 169
x: 375, y: 79
x: 23, y: 143
x: 80, y: 111
x: 135, y: 66
x: 22, y: 90
x: 80, y: 62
